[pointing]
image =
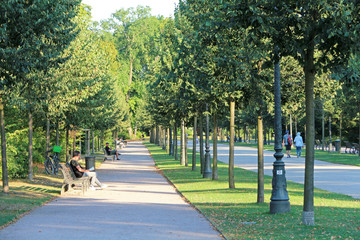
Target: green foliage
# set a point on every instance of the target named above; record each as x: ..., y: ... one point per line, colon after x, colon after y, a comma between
x: 17, y: 151
x: 237, y: 215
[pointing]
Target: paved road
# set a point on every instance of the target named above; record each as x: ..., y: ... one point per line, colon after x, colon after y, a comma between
x: 138, y: 204
x: 336, y: 178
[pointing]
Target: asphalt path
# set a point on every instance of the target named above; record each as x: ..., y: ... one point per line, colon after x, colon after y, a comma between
x: 332, y: 177
x: 138, y: 204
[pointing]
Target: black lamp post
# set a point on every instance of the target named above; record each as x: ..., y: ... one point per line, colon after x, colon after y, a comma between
x: 207, y: 170
x: 279, y: 195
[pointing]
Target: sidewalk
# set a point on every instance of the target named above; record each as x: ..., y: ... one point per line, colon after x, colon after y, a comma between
x: 138, y: 204
x: 338, y: 178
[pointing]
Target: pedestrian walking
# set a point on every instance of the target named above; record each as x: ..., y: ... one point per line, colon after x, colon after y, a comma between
x: 287, y: 141
x: 299, y: 143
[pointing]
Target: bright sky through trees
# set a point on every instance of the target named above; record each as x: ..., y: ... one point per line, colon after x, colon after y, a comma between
x: 102, y: 9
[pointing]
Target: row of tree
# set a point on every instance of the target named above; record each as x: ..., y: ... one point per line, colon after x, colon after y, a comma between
x: 57, y: 72
x: 136, y: 71
x: 217, y: 57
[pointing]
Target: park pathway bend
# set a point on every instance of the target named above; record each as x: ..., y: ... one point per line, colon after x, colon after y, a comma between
x: 338, y: 178
x: 138, y: 204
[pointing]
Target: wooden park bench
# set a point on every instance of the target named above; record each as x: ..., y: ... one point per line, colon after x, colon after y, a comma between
x: 72, y: 183
x: 349, y: 146
x: 108, y: 157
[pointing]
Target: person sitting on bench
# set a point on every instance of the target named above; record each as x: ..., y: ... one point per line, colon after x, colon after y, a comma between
x: 79, y: 171
x: 111, y: 152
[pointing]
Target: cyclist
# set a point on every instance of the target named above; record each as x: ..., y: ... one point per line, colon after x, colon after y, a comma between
x: 79, y: 172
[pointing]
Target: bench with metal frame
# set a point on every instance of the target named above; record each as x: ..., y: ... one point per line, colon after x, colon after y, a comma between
x: 108, y: 157
x: 71, y: 182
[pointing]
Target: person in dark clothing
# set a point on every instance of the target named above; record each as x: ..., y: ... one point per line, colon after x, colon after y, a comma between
x: 287, y: 141
x: 111, y: 152
x: 80, y: 172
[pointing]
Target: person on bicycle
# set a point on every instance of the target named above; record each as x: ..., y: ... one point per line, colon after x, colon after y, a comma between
x: 80, y: 172
x: 112, y: 152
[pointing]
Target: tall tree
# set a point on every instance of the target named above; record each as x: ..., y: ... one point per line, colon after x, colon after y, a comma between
x: 34, y: 34
x: 302, y: 29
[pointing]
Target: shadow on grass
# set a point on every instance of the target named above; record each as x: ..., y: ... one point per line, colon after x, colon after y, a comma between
x: 237, y: 215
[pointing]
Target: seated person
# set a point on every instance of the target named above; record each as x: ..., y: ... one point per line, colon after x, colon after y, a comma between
x: 111, y: 152
x: 79, y: 171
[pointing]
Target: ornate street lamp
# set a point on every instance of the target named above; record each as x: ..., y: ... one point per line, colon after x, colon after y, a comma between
x: 279, y: 195
x: 207, y: 170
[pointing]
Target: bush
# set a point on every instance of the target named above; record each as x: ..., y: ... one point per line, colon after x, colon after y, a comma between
x: 17, y: 146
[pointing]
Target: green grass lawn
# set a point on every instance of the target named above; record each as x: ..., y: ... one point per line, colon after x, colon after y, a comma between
x: 25, y: 195
x: 237, y: 215
x: 333, y: 157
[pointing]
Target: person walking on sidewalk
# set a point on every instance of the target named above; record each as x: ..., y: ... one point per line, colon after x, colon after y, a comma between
x: 79, y: 172
x: 287, y: 141
x: 298, y: 144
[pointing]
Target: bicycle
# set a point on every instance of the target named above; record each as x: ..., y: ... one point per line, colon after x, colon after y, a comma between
x: 52, y: 162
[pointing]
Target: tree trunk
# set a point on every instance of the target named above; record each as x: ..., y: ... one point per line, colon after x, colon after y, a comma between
x: 175, y: 143
x: 185, y: 146
x: 291, y: 128
x: 85, y: 142
x: 309, y: 70
x: 67, y: 143
x: 214, y: 171
x: 171, y: 144
x: 130, y: 80
x: 5, y: 178
x: 102, y: 138
x: 48, y: 135
x: 130, y: 132
x: 323, y: 129
x: 151, y: 135
x: 30, y: 145
x: 244, y: 133
x: 359, y: 139
x: 159, y: 136
x: 88, y: 143
x: 164, y: 139
x: 221, y: 135
x: 74, y: 142
x: 80, y: 143
x: 359, y: 133
x: 167, y: 140
x: 182, y: 145
x: 340, y: 131
x: 330, y: 143
x: 98, y: 142
x: 57, y: 134
x: 231, y: 148
x: 260, y: 192
x: 93, y: 148
x: 201, y: 141
x: 193, y: 166
x: 156, y: 133
x: 295, y: 123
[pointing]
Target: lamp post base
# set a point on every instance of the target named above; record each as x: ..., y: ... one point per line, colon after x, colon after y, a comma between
x: 207, y: 174
x: 279, y: 207
x: 207, y: 171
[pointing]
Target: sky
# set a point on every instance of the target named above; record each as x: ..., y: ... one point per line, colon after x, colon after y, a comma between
x: 102, y: 9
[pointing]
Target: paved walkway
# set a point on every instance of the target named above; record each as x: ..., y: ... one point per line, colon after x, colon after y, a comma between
x: 336, y: 178
x: 138, y: 204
